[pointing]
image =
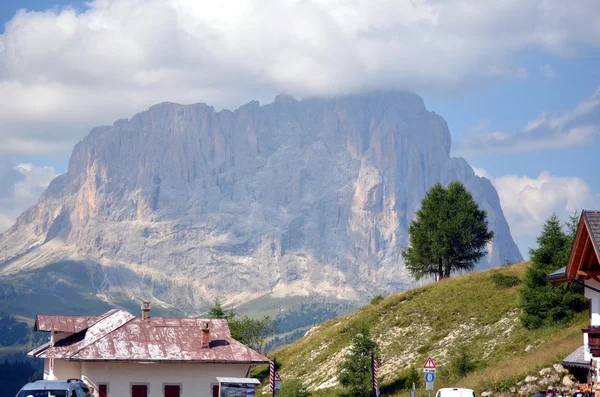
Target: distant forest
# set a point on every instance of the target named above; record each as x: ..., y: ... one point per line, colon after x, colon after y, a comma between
x: 15, y: 368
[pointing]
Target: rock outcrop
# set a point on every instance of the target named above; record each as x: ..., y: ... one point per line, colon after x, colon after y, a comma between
x: 184, y: 203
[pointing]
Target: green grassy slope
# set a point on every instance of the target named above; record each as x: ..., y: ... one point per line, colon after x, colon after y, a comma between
x: 470, y: 310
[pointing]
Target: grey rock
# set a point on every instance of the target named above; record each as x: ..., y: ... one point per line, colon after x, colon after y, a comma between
x: 531, y: 378
x: 513, y: 390
x: 528, y: 389
x: 567, y: 382
x: 181, y: 204
x: 558, y: 368
x: 487, y: 394
x: 545, y: 371
x: 528, y: 348
x: 549, y: 380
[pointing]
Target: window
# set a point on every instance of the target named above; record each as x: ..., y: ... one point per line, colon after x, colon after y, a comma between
x: 172, y: 390
x: 43, y: 393
x: 139, y: 390
x: 103, y: 389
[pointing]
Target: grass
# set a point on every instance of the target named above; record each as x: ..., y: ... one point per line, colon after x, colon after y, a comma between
x: 477, y: 312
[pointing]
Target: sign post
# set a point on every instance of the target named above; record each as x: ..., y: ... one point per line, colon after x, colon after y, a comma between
x: 430, y: 369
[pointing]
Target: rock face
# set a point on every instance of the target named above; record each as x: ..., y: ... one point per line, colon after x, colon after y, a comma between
x: 183, y: 203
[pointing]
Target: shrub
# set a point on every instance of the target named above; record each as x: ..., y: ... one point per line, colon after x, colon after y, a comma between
x: 505, y: 280
x: 462, y: 363
x: 377, y: 299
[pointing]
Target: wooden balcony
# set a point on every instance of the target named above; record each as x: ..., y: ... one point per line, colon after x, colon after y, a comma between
x: 593, y: 340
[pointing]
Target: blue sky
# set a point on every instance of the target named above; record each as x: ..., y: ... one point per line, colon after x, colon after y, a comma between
x: 517, y: 89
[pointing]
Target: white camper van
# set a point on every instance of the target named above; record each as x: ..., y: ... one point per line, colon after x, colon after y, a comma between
x: 455, y: 392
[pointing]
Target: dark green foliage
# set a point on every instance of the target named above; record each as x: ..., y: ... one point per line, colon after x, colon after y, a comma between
x: 14, y: 332
x: 251, y: 332
x: 462, y: 362
x: 543, y: 303
x: 403, y: 382
x: 355, y: 373
x: 448, y: 235
x: 292, y: 388
x: 16, y: 371
x: 376, y: 299
x: 503, y: 280
x: 217, y: 310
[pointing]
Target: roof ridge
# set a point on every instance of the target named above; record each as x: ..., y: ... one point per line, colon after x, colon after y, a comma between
x: 85, y: 344
x: 592, y: 233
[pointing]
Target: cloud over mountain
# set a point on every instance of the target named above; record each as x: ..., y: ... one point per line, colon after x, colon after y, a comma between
x: 82, y: 67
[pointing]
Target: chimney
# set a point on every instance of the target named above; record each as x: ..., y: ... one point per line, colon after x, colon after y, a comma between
x: 205, y: 335
x: 146, y: 306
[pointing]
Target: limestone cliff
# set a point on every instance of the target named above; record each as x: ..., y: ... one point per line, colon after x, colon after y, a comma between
x: 184, y: 203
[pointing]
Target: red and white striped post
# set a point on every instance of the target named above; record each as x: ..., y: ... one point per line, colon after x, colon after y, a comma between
x: 272, y: 377
x: 375, y: 381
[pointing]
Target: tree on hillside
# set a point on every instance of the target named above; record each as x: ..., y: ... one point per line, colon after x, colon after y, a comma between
x: 251, y: 332
x: 448, y: 234
x: 543, y: 303
x: 355, y: 372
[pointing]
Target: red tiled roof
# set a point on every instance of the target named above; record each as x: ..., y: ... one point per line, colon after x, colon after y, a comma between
x: 120, y: 336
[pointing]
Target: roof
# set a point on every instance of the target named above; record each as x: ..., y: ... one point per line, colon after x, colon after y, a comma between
x: 120, y: 336
x: 51, y: 384
x: 63, y: 323
x: 576, y: 359
x: 558, y: 276
x: 251, y: 381
x: 584, y: 259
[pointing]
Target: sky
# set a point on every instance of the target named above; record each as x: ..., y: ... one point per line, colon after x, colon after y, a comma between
x: 518, y: 82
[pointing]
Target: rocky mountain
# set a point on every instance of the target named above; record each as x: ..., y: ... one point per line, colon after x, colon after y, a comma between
x: 182, y: 203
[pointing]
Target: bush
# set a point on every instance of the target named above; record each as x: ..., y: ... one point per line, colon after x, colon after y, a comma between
x: 292, y: 388
x: 505, y: 280
x: 462, y: 363
x: 377, y: 299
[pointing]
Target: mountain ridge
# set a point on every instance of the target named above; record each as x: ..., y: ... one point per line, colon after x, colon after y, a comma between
x: 181, y: 203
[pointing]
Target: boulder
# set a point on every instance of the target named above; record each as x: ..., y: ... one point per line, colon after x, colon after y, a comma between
x: 487, y: 394
x: 531, y: 378
x: 559, y: 368
x: 567, y: 382
x: 528, y: 390
x: 528, y: 348
x: 545, y: 371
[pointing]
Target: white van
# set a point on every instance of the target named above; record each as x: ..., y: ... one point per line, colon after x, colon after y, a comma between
x: 455, y: 392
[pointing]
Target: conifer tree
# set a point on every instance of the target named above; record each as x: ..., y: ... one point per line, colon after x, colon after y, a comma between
x: 355, y: 372
x: 448, y: 234
x: 543, y: 303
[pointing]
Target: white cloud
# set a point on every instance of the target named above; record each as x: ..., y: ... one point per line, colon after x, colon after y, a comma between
x: 63, y: 72
x: 528, y: 202
x: 577, y: 127
x: 20, y: 188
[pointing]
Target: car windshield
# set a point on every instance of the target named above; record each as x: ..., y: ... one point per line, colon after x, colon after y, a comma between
x: 43, y: 393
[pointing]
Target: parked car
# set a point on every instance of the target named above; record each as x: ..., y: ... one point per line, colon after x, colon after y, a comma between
x: 55, y: 388
x: 455, y: 392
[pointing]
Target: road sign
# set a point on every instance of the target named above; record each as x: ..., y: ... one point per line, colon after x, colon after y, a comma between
x: 429, y: 386
x: 429, y: 377
x: 430, y: 370
x: 277, y: 382
x: 429, y: 363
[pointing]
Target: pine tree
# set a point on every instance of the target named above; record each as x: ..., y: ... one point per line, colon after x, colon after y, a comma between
x: 356, y: 373
x: 448, y: 234
x: 544, y: 303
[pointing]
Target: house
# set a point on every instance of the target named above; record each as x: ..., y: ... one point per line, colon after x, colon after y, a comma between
x: 118, y: 354
x: 583, y: 268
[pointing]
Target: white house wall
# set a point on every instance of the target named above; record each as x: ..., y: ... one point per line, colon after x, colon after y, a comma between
x: 594, y: 298
x: 196, y: 380
x: 62, y: 370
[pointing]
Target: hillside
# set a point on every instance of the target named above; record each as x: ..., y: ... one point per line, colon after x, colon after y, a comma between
x: 476, y: 310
